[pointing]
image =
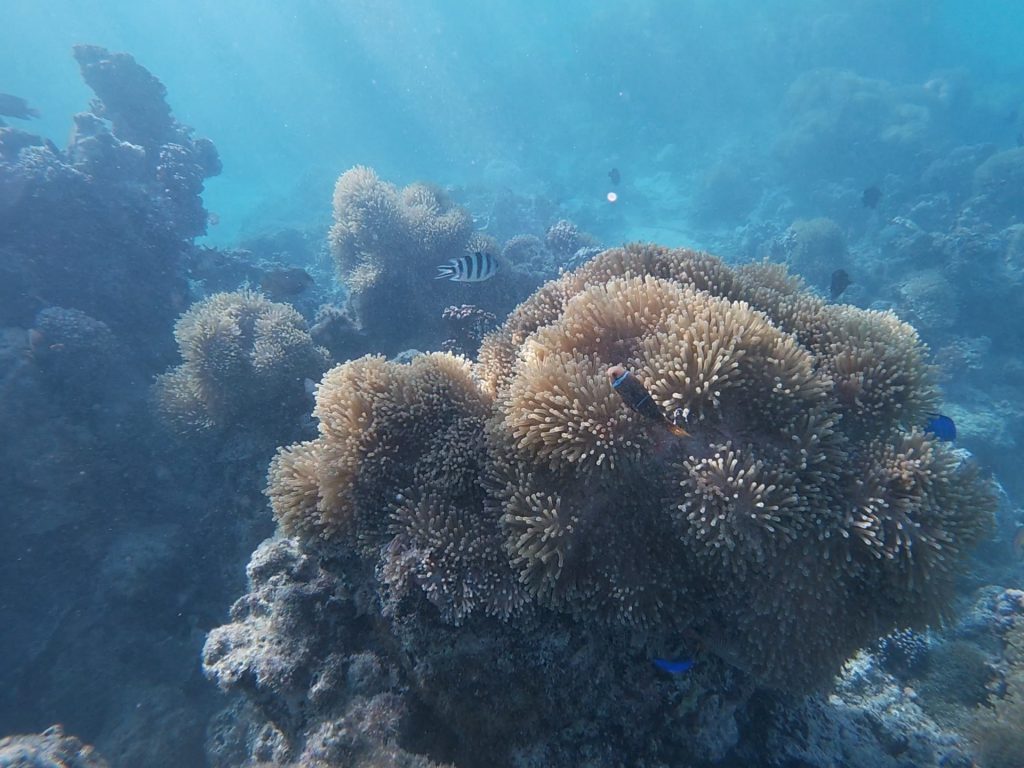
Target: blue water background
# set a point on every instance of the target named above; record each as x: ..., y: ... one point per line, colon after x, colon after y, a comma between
x: 536, y: 96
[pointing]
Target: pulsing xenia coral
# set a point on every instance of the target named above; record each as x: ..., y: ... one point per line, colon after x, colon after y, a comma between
x: 243, y: 354
x: 804, y: 514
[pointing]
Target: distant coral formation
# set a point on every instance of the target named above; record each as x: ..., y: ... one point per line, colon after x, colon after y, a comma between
x: 805, y: 509
x: 564, y: 238
x: 49, y: 749
x: 815, y: 248
x: 245, y: 358
x: 387, y: 243
x: 103, y: 225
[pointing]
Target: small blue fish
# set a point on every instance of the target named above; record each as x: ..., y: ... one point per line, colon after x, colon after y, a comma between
x: 941, y: 426
x: 674, y: 667
x: 471, y: 268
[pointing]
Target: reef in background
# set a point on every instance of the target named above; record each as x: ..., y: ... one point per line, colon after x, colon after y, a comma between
x: 387, y: 243
x: 101, y: 511
x: 509, y: 545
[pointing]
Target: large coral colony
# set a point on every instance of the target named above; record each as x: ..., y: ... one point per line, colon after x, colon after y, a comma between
x: 806, y: 509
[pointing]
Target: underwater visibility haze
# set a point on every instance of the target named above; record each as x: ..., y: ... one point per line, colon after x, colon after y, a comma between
x: 511, y: 384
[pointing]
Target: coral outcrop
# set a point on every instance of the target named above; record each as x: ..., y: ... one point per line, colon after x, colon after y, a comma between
x: 292, y: 597
x: 103, y: 226
x: 245, y: 357
x: 564, y: 238
x: 804, y: 509
x: 131, y: 537
x: 386, y: 244
x: 996, y: 730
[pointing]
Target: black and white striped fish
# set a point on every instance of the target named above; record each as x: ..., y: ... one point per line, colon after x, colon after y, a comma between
x: 471, y: 268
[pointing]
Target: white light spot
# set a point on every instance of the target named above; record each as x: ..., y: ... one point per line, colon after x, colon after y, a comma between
x: 612, y: 197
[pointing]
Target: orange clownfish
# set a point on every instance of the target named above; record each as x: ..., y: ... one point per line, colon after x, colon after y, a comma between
x: 635, y: 395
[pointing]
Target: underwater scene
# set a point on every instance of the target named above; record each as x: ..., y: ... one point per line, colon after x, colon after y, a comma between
x: 426, y: 383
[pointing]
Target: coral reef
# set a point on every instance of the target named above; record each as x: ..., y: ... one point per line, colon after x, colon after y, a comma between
x: 527, y: 249
x: 507, y: 512
x: 350, y: 685
x: 291, y: 596
x: 727, y: 192
x: 386, y: 243
x: 999, y: 180
x: 94, y: 238
x: 467, y: 325
x: 904, y: 653
x: 832, y: 114
x: 77, y: 354
x: 103, y: 226
x: 564, y: 238
x: 243, y: 355
x: 870, y: 720
x: 335, y: 330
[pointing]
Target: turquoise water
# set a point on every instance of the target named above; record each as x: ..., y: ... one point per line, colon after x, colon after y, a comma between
x: 150, y: 372
x: 531, y: 94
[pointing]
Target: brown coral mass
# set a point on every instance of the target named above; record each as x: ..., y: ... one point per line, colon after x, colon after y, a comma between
x: 243, y: 355
x: 803, y: 516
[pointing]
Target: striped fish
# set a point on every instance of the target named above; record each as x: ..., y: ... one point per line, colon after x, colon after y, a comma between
x: 471, y: 268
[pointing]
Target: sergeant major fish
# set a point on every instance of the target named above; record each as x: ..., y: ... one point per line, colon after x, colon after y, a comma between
x: 469, y: 268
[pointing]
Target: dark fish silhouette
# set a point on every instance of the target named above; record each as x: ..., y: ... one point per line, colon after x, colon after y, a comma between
x: 1020, y: 139
x: 614, y: 175
x: 673, y: 666
x: 13, y: 106
x: 840, y: 282
x: 871, y: 196
x: 285, y: 282
x: 941, y: 426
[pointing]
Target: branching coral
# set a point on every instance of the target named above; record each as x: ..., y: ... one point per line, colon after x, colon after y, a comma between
x: 799, y: 511
x: 243, y: 354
